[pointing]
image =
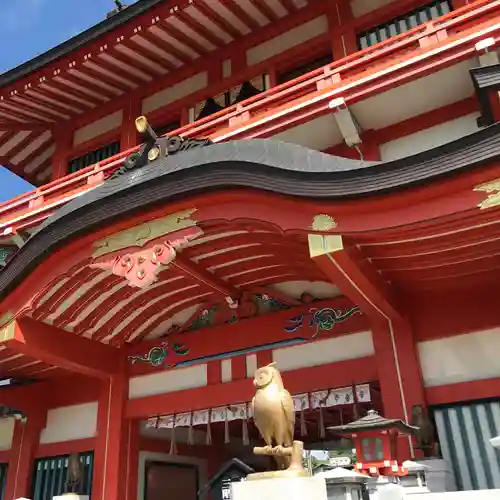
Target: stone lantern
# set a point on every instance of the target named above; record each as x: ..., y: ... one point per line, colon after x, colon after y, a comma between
x: 344, y: 484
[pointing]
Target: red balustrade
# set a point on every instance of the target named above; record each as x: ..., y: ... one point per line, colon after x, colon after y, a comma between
x: 464, y: 25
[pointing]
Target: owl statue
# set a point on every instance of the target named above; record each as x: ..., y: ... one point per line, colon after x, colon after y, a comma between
x: 273, y: 411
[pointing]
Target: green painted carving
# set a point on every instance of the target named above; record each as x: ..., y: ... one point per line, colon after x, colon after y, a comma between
x: 268, y: 304
x: 158, y: 355
x: 5, y: 255
x: 323, y: 319
x: 205, y: 319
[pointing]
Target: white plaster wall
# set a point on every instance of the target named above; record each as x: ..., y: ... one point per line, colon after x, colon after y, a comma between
x: 98, y: 127
x: 449, y: 85
x: 286, y: 41
x: 429, y: 138
x: 251, y: 364
x: 319, y: 134
x: 226, y: 368
x: 145, y: 456
x: 70, y: 422
x: 175, y: 92
x: 322, y: 352
x: 6, y: 433
x: 463, y: 358
x: 168, y: 381
x: 361, y: 7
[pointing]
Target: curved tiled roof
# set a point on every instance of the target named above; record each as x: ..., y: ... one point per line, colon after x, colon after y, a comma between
x: 265, y: 165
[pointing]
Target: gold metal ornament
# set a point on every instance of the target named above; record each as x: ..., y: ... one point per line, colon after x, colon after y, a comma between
x: 323, y: 222
x: 493, y: 190
x: 153, y: 153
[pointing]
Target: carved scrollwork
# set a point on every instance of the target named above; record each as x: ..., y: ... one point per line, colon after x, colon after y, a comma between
x: 140, y: 267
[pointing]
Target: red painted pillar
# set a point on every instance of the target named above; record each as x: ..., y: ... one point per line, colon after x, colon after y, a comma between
x: 133, y: 448
x: 129, y: 136
x: 460, y: 3
x: 399, y: 372
x: 115, y: 437
x: 494, y: 97
x: 342, y: 34
x: 22, y: 455
x: 60, y: 159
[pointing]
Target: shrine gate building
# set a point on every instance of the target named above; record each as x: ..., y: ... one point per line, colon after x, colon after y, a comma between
x: 323, y: 193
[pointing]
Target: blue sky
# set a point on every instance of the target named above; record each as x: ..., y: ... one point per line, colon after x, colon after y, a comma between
x: 31, y: 27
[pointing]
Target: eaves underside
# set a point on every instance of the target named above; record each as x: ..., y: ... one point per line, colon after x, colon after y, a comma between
x: 262, y: 165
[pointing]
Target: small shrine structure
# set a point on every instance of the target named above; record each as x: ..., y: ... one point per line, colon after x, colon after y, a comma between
x: 375, y: 440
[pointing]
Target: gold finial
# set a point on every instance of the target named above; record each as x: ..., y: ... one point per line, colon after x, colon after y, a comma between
x: 141, y: 124
x: 144, y: 128
x: 323, y: 222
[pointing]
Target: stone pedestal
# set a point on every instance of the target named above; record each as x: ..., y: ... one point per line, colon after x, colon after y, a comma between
x: 387, y: 490
x: 439, y: 475
x: 71, y: 496
x: 293, y: 488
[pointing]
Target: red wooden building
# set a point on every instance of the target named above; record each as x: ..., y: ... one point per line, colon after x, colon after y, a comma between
x: 339, y: 216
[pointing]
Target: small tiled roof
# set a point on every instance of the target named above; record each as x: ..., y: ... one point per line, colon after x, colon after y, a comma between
x: 373, y: 421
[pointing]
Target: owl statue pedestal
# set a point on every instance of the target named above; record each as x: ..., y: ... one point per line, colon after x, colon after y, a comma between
x: 280, y: 488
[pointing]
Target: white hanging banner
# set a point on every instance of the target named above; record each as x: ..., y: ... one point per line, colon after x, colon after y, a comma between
x: 343, y: 396
x: 183, y: 420
x: 324, y: 398
x: 236, y: 412
x: 218, y: 414
x: 301, y: 402
x: 201, y: 417
x: 167, y: 422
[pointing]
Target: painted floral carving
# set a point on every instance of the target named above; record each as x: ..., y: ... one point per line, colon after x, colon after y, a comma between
x: 140, y: 267
x: 158, y: 355
x: 320, y: 319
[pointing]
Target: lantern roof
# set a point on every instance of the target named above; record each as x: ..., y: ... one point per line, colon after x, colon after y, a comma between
x: 373, y: 421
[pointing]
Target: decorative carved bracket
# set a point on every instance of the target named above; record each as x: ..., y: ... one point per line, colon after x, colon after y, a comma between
x: 155, y: 147
x: 140, y: 268
x: 493, y: 190
x: 321, y: 319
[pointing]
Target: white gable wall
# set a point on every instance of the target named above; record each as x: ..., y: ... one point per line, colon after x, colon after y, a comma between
x: 429, y: 138
x: 69, y: 423
x: 462, y: 358
x: 99, y: 127
x: 322, y: 352
x: 288, y: 40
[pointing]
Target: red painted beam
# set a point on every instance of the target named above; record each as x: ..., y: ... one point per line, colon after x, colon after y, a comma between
x: 59, y: 348
x: 314, y: 378
x: 200, y: 274
x: 463, y: 391
x: 354, y: 276
x: 268, y: 329
x: 65, y: 447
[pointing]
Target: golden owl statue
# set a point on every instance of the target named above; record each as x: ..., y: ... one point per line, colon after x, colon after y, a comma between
x: 273, y: 412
